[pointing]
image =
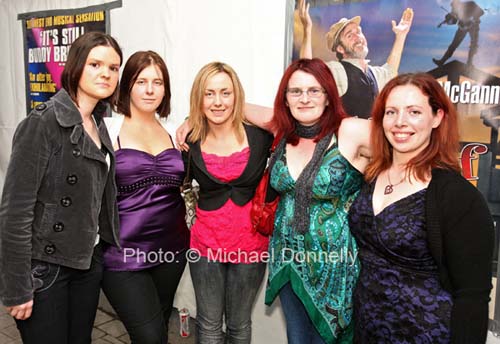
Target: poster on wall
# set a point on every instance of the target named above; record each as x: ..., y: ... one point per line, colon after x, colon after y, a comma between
x: 48, y: 36
x: 456, y: 41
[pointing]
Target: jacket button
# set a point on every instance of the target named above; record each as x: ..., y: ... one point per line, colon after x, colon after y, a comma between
x: 66, y: 201
x: 41, y: 107
x: 71, y: 179
x: 58, y: 227
x: 76, y: 152
x: 50, y: 249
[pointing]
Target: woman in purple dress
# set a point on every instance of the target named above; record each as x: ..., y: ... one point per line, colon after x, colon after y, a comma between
x: 140, y: 280
x: 424, y: 233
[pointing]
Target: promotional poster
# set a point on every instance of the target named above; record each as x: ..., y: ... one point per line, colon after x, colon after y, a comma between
x: 48, y: 36
x: 456, y: 41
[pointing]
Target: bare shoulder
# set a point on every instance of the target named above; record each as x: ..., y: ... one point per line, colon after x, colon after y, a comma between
x: 354, y: 141
x: 353, y: 126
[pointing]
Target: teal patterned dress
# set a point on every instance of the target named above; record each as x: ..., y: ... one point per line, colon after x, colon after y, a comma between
x: 321, y: 265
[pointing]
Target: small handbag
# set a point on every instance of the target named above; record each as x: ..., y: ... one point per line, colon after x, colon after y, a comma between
x: 190, y: 193
x: 264, y: 203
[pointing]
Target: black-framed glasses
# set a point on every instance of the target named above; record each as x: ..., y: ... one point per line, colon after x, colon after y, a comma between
x: 312, y: 92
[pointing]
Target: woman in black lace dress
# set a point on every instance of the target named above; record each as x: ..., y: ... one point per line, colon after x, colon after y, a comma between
x: 425, y: 234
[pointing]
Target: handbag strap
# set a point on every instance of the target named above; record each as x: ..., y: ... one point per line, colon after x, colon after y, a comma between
x: 276, y: 140
x: 188, y: 170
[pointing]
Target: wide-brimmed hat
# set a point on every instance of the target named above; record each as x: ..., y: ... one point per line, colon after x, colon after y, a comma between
x: 332, y: 37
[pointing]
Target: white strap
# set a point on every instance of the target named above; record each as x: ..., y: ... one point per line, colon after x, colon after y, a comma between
x: 114, y: 124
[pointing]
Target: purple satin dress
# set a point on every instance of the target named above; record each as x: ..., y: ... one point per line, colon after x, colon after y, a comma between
x: 152, y: 224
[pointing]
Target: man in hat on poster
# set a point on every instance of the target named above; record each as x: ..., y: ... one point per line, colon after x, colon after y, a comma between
x: 358, y: 83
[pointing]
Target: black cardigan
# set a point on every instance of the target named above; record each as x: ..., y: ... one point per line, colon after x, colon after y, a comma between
x: 461, y: 236
x: 213, y: 192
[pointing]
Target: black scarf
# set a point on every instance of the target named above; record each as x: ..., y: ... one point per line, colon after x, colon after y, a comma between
x: 304, y: 184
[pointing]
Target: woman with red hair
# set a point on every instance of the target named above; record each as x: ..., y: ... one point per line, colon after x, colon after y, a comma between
x: 425, y: 234
x: 317, y: 170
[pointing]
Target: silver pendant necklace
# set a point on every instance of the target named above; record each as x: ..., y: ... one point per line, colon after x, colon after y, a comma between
x: 389, y: 188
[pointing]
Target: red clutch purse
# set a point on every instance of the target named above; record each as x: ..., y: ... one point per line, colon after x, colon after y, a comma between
x: 262, y: 212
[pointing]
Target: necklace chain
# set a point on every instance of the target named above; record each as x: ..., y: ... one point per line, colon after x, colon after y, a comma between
x: 389, y: 188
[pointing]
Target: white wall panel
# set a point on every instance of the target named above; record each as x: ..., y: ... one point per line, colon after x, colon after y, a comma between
x: 247, y: 34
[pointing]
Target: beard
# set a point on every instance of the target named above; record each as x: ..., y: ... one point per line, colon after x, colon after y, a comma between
x: 358, y: 51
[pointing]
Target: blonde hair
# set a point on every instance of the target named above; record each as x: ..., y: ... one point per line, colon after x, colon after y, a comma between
x: 197, y: 119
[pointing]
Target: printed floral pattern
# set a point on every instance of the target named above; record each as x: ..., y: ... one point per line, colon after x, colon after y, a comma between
x: 320, y: 265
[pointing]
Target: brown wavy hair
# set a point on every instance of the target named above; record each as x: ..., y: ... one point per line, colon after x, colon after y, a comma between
x: 443, y: 148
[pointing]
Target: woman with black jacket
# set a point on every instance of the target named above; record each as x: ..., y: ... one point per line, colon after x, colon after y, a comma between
x: 59, y: 201
x: 227, y: 158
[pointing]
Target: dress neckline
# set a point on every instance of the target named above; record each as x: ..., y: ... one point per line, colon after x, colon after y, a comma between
x: 141, y: 151
x: 244, y: 150
x: 146, y: 153
x: 328, y: 151
x: 392, y: 204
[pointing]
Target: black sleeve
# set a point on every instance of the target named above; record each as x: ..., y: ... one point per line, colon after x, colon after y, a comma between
x: 187, y: 167
x: 468, y: 238
x: 264, y: 137
x: 268, y: 139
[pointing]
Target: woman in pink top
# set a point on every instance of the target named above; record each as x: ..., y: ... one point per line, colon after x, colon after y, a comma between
x: 228, y: 158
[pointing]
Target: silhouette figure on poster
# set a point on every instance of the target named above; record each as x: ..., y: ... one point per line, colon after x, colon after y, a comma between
x: 466, y: 16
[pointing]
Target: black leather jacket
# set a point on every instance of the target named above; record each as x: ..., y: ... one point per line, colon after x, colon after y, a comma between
x: 58, y: 195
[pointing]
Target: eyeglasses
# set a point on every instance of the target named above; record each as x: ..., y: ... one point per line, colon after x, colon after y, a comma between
x: 313, y: 92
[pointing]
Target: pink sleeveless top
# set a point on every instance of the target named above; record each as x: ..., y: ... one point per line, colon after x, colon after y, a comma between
x: 226, y: 234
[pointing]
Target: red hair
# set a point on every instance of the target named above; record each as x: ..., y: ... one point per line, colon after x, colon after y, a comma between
x: 283, y: 122
x: 444, y: 142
